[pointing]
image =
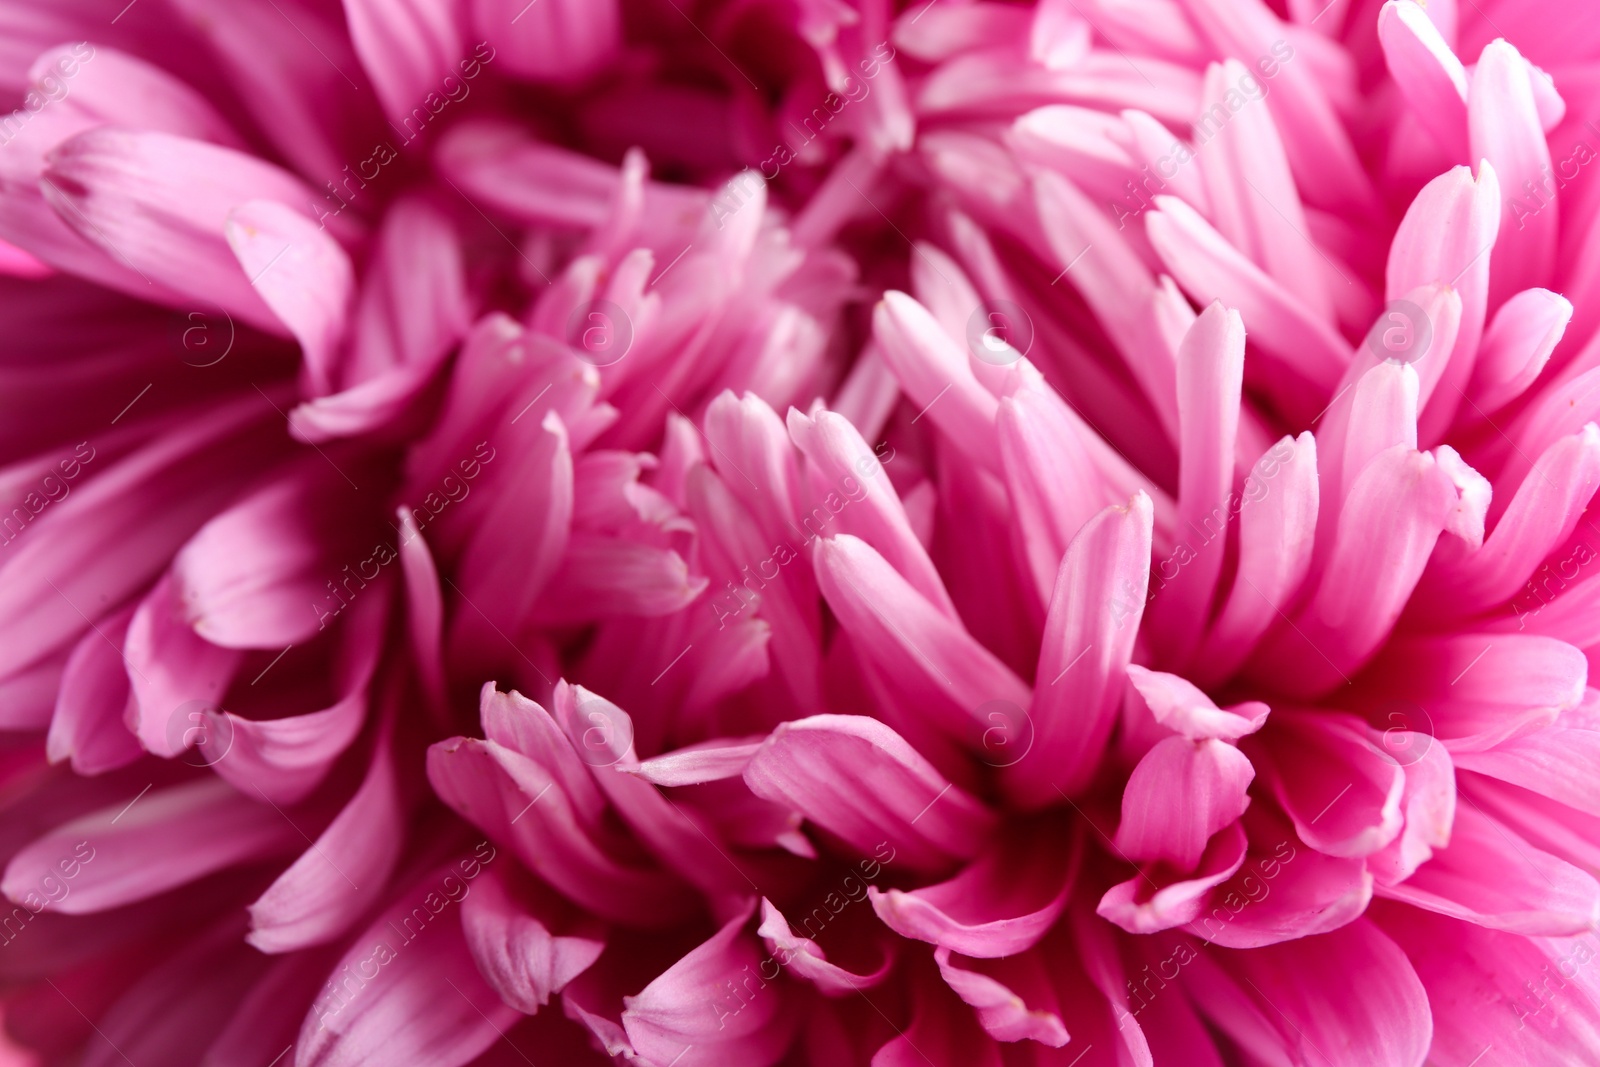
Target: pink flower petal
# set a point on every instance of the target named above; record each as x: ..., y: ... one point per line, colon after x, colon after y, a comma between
x: 856, y: 778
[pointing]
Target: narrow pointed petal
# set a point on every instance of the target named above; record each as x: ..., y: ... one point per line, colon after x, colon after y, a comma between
x: 935, y: 374
x: 1429, y: 74
x: 1089, y: 635
x: 1277, y: 529
x: 1517, y: 345
x: 1004, y: 1014
x: 805, y: 958
x: 918, y: 646
x: 1503, y: 121
x: 1210, y: 377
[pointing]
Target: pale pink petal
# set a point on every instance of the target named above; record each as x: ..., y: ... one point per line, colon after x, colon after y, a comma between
x: 124, y: 853
x: 1178, y: 705
x: 135, y: 194
x: 1427, y: 72
x: 1517, y: 345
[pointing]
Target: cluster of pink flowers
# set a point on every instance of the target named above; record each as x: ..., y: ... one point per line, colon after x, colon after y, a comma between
x: 838, y: 532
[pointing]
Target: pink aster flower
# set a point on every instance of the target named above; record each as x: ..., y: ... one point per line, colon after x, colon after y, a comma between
x: 815, y: 532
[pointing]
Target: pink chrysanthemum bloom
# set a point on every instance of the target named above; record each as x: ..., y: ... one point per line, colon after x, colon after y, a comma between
x: 799, y: 532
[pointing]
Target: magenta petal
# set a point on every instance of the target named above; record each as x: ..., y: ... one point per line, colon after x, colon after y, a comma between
x: 1001, y: 904
x: 1141, y: 906
x: 88, y: 725
x: 693, y: 1012
x: 415, y: 305
x: 1001, y: 1012
x: 1094, y: 616
x: 409, y: 49
x: 300, y: 271
x: 1180, y: 794
x: 125, y: 191
x: 509, y: 933
x: 1276, y: 1001
x: 563, y: 41
x: 1463, y: 967
x: 1210, y: 377
x: 517, y: 804
x: 342, y: 874
x: 805, y: 958
x: 1533, y: 892
x: 176, y: 675
x: 1555, y: 762
x: 856, y: 778
x: 710, y: 761
x: 1053, y: 481
x: 916, y: 644
x: 1342, y: 790
x: 424, y: 999
x: 124, y: 853
x: 1284, y: 890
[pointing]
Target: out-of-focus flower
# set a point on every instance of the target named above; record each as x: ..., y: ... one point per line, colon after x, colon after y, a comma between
x: 798, y: 532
